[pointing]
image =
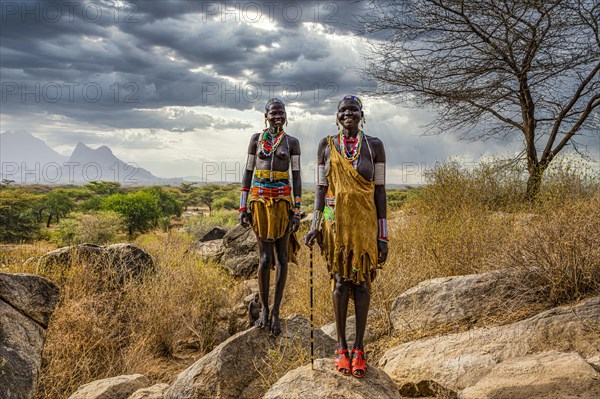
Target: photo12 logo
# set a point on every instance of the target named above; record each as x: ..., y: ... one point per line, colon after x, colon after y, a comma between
x: 268, y: 11
x: 68, y: 172
x: 253, y: 92
x: 54, y: 12
x: 70, y: 92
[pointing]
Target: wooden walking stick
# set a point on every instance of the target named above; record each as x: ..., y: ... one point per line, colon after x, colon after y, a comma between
x: 312, y: 340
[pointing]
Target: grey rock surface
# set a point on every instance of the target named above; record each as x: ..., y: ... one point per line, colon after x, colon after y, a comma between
x: 120, y: 387
x: 26, y: 304
x: 233, y: 369
x: 325, y: 382
x: 460, y: 360
x: 539, y: 376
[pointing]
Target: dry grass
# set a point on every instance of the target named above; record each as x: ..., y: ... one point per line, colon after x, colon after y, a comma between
x: 463, y: 222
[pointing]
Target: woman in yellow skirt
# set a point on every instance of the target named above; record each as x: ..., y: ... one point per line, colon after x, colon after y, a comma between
x: 350, y: 223
x: 266, y: 204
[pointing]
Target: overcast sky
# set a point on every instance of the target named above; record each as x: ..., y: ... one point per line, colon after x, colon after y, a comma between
x: 178, y: 85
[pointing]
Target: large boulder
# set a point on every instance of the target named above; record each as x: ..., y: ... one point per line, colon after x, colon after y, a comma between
x: 121, y: 261
x: 235, y: 368
x: 210, y: 250
x: 240, y: 254
x: 120, y: 387
x: 543, y: 375
x: 324, y: 382
x: 216, y: 233
x: 457, y: 361
x: 450, y: 301
x: 26, y: 304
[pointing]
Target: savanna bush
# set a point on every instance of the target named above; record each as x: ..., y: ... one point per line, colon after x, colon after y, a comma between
x: 94, y: 228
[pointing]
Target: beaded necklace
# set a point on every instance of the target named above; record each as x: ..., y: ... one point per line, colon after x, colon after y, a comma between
x: 352, y: 154
x: 268, y: 144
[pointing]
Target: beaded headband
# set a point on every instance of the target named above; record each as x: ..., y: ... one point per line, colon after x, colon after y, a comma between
x: 353, y: 98
x: 273, y: 101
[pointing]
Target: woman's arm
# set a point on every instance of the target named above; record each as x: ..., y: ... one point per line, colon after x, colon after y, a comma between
x: 247, y: 180
x: 320, y: 192
x: 380, y: 200
x: 296, y: 182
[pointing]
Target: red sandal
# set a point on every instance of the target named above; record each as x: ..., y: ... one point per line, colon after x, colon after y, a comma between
x: 342, y: 362
x: 359, y: 363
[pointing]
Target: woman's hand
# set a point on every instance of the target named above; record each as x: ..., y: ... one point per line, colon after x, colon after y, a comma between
x: 311, y: 236
x: 382, y: 249
x: 295, y: 224
x: 245, y: 218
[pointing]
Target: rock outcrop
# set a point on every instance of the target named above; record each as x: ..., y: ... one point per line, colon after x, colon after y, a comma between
x: 233, y: 369
x: 26, y: 304
x: 210, y: 250
x: 217, y: 233
x: 121, y: 260
x: 154, y: 392
x: 543, y: 375
x: 449, y: 301
x: 112, y: 388
x: 240, y: 254
x: 457, y: 361
x: 324, y: 382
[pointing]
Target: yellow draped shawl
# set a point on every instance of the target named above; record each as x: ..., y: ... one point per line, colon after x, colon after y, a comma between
x: 350, y: 240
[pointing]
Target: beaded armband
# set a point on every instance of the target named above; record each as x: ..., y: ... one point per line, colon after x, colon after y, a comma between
x: 316, y: 222
x: 295, y: 163
x: 250, y: 162
x: 380, y: 173
x: 297, y: 207
x: 243, y: 199
x: 382, y: 232
x: 321, y: 176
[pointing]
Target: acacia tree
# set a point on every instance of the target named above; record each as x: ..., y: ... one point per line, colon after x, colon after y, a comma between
x: 495, y: 67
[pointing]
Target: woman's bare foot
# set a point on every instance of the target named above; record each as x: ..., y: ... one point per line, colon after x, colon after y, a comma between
x: 275, y: 325
x: 263, y: 320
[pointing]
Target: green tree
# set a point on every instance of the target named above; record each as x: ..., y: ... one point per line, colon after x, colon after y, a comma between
x: 206, y: 194
x: 186, y: 193
x: 57, y: 204
x: 17, y: 216
x: 104, y: 187
x: 168, y: 204
x: 140, y: 210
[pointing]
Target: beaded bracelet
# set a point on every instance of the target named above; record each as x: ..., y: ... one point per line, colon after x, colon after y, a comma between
x: 243, y: 199
x: 297, y: 207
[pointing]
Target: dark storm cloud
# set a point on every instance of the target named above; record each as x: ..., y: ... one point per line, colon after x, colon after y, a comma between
x: 111, y: 67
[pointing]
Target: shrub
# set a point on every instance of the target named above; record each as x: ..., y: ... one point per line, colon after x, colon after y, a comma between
x: 558, y: 258
x: 94, y: 228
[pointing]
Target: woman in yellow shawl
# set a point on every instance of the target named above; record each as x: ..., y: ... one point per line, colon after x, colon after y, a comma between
x: 266, y: 203
x: 350, y: 223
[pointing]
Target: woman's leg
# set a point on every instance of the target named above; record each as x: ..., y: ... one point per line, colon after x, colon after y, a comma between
x: 265, y: 252
x: 362, y: 300
x: 341, y: 295
x: 281, y: 251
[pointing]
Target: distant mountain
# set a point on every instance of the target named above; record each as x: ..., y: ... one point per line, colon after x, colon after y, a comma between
x: 19, y: 147
x: 101, y: 164
x: 27, y: 160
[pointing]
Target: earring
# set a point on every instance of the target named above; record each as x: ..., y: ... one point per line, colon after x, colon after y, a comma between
x: 265, y: 122
x: 286, y: 122
x: 337, y: 123
x: 363, y: 121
